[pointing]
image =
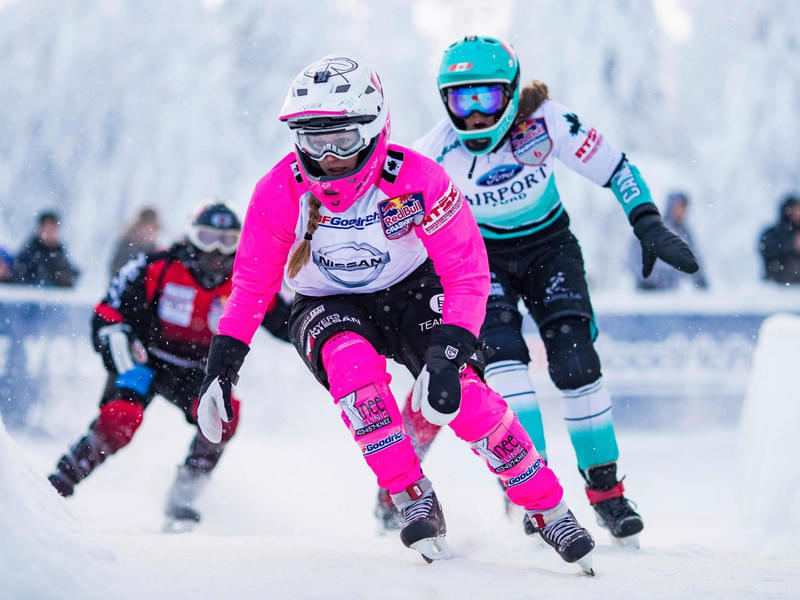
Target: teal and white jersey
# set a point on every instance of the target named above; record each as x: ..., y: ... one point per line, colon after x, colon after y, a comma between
x: 512, y: 191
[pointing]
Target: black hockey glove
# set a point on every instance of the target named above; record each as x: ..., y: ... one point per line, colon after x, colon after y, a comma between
x: 225, y: 358
x: 121, y: 351
x: 437, y: 390
x: 659, y: 242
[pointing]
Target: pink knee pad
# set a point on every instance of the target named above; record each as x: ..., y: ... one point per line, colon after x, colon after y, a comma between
x: 351, y: 362
x: 359, y: 383
x: 495, y: 434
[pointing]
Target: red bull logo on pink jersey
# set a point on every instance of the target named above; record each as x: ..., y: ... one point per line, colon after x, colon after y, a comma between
x: 399, y: 214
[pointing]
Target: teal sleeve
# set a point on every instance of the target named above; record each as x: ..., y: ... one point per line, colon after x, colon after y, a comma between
x: 629, y: 187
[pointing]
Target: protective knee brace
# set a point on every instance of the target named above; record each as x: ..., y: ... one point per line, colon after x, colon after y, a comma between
x: 502, y: 333
x: 359, y: 383
x: 117, y: 422
x: 571, y: 357
x: 496, y: 435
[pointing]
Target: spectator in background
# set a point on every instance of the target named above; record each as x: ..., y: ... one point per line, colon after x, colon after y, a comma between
x: 43, y: 260
x: 780, y: 244
x: 665, y: 277
x: 6, y: 262
x: 141, y: 236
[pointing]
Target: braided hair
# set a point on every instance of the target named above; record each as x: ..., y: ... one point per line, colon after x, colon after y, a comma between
x: 302, y: 253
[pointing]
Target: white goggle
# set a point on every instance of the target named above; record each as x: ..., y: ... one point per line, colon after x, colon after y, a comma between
x: 209, y: 239
x: 342, y: 143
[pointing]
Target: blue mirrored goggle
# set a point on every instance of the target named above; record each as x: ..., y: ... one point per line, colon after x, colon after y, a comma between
x: 486, y: 99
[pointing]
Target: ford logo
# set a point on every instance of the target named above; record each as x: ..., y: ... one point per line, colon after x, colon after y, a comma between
x: 499, y: 174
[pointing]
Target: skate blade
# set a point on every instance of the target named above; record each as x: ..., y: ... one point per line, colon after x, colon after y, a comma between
x: 585, y: 563
x: 178, y: 526
x: 631, y: 541
x: 432, y: 549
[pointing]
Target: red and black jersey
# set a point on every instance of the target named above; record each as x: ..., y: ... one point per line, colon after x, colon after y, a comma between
x: 160, y: 298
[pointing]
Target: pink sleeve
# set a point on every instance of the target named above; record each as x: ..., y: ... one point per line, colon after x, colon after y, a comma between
x: 267, y: 237
x: 454, y: 243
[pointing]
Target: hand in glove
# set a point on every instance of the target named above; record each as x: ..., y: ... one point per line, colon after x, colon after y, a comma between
x: 225, y: 358
x: 437, y: 390
x: 659, y: 242
x: 120, y: 348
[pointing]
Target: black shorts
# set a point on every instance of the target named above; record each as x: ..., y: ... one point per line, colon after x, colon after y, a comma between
x: 396, y: 321
x: 547, y: 274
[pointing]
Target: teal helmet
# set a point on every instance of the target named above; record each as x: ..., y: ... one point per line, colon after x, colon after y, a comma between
x: 480, y: 73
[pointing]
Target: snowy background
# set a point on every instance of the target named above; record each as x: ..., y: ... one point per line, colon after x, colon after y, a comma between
x: 289, y: 516
x: 109, y: 105
x: 106, y: 106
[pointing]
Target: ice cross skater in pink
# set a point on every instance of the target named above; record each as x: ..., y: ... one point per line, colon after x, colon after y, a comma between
x: 386, y: 261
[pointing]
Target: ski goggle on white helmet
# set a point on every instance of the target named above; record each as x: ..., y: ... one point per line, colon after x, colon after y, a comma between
x: 334, y: 107
x: 324, y: 136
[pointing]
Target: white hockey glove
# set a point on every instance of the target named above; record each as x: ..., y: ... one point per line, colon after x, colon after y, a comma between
x: 225, y: 358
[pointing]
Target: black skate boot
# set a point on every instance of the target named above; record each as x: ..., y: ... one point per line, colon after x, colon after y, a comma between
x: 389, y: 518
x: 565, y: 535
x: 84, y: 456
x: 424, y: 528
x: 180, y: 512
x: 613, y: 510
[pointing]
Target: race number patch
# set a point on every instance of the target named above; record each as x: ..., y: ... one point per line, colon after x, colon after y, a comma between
x: 443, y: 210
x: 177, y: 304
x: 399, y: 214
x: 215, y: 312
x: 530, y: 142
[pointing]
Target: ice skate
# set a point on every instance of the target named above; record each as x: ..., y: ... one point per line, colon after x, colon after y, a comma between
x: 389, y: 518
x: 565, y: 535
x: 180, y: 515
x: 423, y: 528
x: 614, y: 512
x: 84, y: 456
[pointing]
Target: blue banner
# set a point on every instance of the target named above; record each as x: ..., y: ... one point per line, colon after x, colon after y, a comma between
x: 45, y: 351
x: 664, y: 366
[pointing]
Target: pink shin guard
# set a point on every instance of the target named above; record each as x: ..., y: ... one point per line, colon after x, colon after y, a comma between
x: 359, y: 383
x: 495, y: 434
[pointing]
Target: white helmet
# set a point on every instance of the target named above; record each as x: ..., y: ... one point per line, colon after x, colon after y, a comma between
x: 336, y: 106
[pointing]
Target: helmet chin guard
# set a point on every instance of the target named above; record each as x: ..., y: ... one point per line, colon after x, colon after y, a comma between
x: 478, y: 61
x: 335, y: 106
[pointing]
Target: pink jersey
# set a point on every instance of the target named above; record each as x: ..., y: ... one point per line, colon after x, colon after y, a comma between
x: 412, y: 213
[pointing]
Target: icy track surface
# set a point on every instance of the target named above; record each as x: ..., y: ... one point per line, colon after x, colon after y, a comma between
x: 288, y: 515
